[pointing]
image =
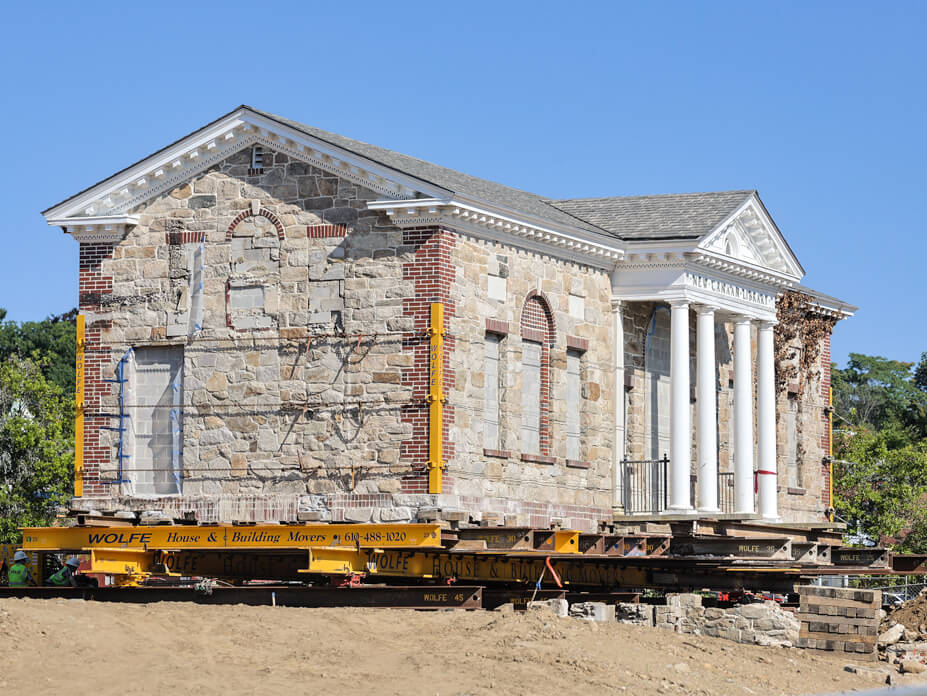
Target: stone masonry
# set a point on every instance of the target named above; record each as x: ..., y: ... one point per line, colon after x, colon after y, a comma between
x: 300, y: 317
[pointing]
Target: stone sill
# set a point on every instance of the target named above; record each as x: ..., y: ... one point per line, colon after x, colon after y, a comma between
x: 575, y: 464
x: 795, y: 491
x: 538, y: 458
x: 500, y: 454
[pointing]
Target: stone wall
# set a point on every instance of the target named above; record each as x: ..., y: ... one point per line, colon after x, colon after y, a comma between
x: 763, y: 623
x: 492, y: 288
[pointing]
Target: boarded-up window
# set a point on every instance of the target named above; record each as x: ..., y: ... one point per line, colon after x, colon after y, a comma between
x: 530, y: 397
x: 157, y: 422
x: 491, y: 392
x: 793, y: 464
x: 573, y: 404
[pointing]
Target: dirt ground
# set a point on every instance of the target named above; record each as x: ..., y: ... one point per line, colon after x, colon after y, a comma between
x: 78, y: 647
x: 913, y: 614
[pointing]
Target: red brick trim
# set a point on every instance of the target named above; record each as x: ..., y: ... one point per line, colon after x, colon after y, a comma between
x: 574, y: 464
x: 537, y: 324
x: 431, y: 273
x: 500, y: 454
x: 577, y: 343
x: 497, y: 327
x: 184, y: 237
x: 245, y: 214
x: 538, y: 458
x: 93, y: 285
x: 325, y: 231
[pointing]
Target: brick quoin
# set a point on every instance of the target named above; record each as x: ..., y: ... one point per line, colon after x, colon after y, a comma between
x: 93, y: 285
x: 537, y: 324
x: 432, y: 274
x: 825, y: 440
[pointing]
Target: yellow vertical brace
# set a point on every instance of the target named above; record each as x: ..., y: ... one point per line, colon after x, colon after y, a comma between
x: 436, y: 399
x: 830, y: 448
x: 79, y: 411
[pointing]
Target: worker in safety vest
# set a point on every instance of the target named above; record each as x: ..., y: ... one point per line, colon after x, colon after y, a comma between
x: 65, y: 576
x: 18, y: 574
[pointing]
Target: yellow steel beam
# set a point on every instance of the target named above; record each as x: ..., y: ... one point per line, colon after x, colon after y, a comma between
x: 481, y: 567
x: 227, y: 537
x: 436, y: 399
x: 79, y: 411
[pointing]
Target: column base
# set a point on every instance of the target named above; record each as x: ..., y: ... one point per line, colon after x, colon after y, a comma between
x: 709, y: 511
x: 689, y: 510
x: 752, y: 513
x: 770, y: 519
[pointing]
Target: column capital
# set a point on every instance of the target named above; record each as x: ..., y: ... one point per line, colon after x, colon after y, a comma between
x: 703, y: 309
x: 766, y: 324
x: 678, y: 303
x: 617, y: 304
x: 739, y: 319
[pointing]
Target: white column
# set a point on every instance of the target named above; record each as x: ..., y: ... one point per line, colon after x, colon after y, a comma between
x: 618, y: 456
x: 707, y: 412
x: 767, y: 478
x: 743, y: 418
x: 680, y: 425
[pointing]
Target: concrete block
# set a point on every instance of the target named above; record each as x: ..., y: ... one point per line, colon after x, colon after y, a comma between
x: 593, y: 611
x: 558, y: 607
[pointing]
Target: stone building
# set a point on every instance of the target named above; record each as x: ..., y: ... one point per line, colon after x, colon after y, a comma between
x: 257, y: 300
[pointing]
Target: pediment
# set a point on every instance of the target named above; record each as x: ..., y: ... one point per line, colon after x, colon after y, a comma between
x: 750, y: 236
x: 118, y: 196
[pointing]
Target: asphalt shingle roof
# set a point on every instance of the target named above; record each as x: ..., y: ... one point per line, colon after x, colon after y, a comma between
x: 669, y: 216
x: 450, y: 180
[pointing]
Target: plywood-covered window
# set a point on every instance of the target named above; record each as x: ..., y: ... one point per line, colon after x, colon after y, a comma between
x: 491, y: 431
x: 573, y: 410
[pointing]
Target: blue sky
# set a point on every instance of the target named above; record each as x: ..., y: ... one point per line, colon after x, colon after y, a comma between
x: 819, y: 105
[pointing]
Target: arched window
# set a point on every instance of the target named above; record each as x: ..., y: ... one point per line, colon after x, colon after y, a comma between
x: 537, y: 334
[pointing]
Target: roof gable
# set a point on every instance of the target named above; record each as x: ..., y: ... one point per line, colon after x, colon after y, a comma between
x: 750, y: 236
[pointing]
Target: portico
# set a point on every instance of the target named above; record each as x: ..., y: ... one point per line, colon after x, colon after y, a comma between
x: 721, y: 284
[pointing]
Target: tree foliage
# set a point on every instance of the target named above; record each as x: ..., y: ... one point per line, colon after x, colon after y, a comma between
x: 36, y: 446
x: 50, y: 343
x: 880, y: 476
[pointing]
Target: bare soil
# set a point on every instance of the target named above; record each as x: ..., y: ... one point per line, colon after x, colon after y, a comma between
x: 912, y: 614
x: 78, y: 647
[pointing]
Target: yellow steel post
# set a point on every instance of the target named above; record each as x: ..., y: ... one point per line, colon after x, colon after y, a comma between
x: 79, y: 411
x: 436, y: 399
x: 830, y: 448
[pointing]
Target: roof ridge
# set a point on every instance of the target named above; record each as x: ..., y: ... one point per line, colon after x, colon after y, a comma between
x: 650, y: 195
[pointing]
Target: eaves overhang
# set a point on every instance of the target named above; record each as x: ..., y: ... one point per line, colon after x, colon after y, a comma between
x: 578, y: 245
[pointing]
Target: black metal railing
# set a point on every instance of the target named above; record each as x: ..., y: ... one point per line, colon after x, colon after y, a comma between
x: 645, y: 488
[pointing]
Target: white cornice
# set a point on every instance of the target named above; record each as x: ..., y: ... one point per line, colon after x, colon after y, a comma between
x: 196, y: 153
x: 575, y: 245
x: 102, y: 228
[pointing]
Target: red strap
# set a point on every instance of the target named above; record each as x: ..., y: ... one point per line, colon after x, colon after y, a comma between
x: 553, y: 572
x: 756, y: 478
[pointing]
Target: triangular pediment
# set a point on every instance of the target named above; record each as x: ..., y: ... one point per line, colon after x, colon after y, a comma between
x: 116, y: 197
x: 749, y: 236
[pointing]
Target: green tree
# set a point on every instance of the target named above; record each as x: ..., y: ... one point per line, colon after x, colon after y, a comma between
x: 50, y: 342
x: 36, y: 447
x: 880, y: 485
x: 876, y: 391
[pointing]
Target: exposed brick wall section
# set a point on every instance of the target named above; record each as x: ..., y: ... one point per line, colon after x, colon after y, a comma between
x: 326, y: 231
x: 432, y: 274
x: 537, y: 324
x: 184, y: 237
x: 245, y: 214
x: 93, y: 286
x: 825, y: 397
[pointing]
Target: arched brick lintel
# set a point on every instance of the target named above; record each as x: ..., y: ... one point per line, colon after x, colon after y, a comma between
x: 526, y: 323
x: 245, y: 214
